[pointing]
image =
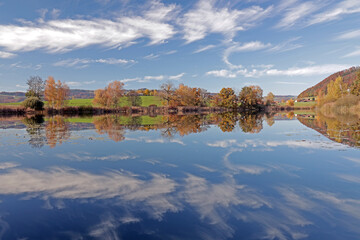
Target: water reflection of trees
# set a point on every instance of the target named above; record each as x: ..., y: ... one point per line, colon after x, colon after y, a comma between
x: 35, y: 129
x: 111, y: 125
x: 251, y: 123
x: 57, y: 130
x: 184, y: 125
x: 52, y: 132
x: 340, y: 128
x: 170, y: 125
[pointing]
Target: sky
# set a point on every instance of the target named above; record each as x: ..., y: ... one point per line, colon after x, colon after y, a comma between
x: 283, y: 46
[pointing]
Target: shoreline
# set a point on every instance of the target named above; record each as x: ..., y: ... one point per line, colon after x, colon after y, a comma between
x: 88, y: 110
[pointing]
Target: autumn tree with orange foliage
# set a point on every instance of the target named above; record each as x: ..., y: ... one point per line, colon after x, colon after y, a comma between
x: 187, y: 96
x: 251, y: 96
x: 226, y: 98
x: 290, y: 102
x: 56, y: 93
x: 110, y: 96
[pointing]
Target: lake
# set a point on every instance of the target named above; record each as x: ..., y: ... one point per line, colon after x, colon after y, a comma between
x: 284, y: 176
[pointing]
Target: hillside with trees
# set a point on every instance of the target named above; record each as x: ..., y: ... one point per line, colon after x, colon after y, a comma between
x: 348, y: 76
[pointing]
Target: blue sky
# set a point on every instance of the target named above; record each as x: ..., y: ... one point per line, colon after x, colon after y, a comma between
x: 283, y: 46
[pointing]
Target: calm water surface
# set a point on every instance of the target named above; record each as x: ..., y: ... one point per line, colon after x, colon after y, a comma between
x: 208, y: 177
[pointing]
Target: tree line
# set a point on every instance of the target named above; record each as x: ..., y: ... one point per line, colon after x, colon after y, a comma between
x: 56, y: 94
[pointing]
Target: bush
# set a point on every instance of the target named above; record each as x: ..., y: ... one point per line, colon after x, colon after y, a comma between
x: 33, y: 103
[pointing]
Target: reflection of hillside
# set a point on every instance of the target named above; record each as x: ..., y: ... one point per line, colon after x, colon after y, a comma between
x: 342, y: 129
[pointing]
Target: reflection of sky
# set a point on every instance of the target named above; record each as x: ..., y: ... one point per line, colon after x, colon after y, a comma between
x: 286, y: 182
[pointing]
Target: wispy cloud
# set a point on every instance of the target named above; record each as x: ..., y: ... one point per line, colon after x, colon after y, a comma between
x: 308, y: 71
x: 79, y: 84
x: 224, y: 73
x: 354, y: 53
x: 21, y: 65
x: 68, y: 34
x: 205, y: 18
x: 176, y: 77
x: 345, y: 7
x: 151, y: 56
x: 269, y: 70
x: 243, y: 47
x: 348, y: 35
x: 287, y: 45
x: 290, y: 83
x: 153, y: 78
x: 205, y: 48
x: 296, y: 12
x: 6, y: 54
x: 81, y: 63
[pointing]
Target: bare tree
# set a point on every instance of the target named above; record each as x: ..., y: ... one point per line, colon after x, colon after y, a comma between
x: 36, y: 87
x: 167, y: 92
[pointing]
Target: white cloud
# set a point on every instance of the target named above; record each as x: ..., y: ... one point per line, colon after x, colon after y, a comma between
x: 269, y: 70
x: 157, y: 78
x: 153, y: 78
x: 349, y: 35
x: 296, y: 12
x: 78, y: 84
x: 287, y: 45
x: 205, y: 18
x: 152, y: 56
x: 342, y: 8
x: 21, y: 65
x: 290, y: 83
x: 222, y: 73
x: 69, y: 34
x: 21, y: 86
x: 205, y: 48
x: 82, y: 63
x: 307, y: 71
x: 355, y: 53
x: 6, y: 54
x: 176, y: 77
x: 243, y: 47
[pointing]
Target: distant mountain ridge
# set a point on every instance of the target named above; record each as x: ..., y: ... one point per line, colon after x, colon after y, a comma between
x: 12, y: 97
x: 348, y: 75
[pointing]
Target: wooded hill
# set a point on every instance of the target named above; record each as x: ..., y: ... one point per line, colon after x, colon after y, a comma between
x: 348, y: 75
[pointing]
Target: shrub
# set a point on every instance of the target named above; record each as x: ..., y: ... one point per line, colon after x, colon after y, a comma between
x: 33, y: 103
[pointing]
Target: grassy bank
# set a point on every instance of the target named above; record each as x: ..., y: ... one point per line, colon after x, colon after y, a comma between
x: 145, y: 102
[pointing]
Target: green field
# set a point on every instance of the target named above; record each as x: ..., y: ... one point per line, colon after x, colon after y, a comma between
x: 10, y: 104
x: 145, y: 102
x: 301, y: 104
